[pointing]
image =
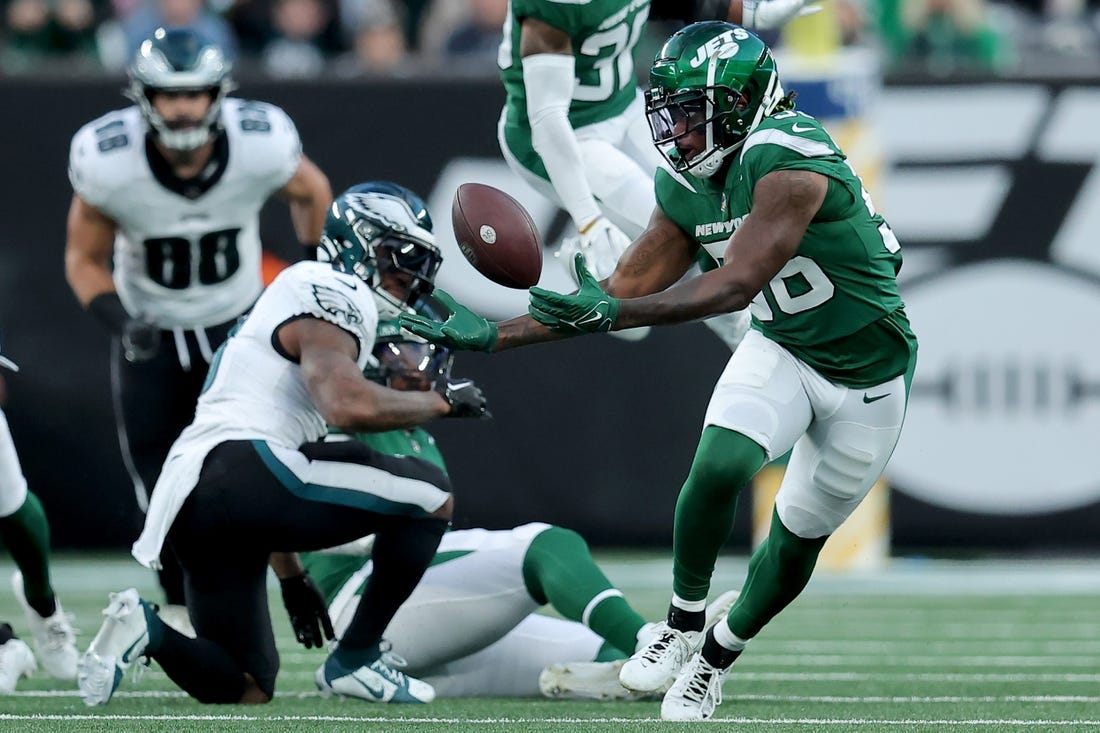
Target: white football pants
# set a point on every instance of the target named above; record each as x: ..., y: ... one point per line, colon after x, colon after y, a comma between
x: 842, y: 437
x: 13, y: 486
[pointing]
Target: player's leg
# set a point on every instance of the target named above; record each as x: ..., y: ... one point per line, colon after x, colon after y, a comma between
x: 558, y: 569
x: 830, y: 471
x: 154, y: 401
x: 333, y: 493
x: 757, y: 411
x: 26, y: 533
x: 512, y: 666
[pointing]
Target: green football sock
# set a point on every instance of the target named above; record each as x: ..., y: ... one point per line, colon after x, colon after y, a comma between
x: 26, y: 533
x: 724, y: 462
x: 778, y: 571
x: 558, y: 569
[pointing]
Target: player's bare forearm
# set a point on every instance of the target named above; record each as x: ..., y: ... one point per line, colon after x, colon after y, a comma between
x: 655, y: 260
x: 286, y: 564
x: 523, y: 331
x: 784, y: 203
x: 308, y: 194
x: 89, y: 243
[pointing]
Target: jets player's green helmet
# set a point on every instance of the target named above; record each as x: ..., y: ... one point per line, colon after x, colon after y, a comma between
x: 179, y: 60
x: 712, y: 79
x: 381, y: 232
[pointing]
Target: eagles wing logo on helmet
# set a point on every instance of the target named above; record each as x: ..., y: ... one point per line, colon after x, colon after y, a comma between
x: 334, y: 302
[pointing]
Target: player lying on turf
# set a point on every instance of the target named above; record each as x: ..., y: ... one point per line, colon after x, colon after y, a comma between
x: 251, y: 482
x: 471, y: 628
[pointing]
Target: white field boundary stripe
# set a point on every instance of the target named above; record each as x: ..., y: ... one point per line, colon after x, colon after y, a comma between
x: 881, y: 660
x: 880, y: 722
x: 737, y: 675
x: 845, y: 699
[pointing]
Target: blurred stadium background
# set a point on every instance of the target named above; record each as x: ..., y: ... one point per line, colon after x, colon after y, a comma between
x: 973, y: 122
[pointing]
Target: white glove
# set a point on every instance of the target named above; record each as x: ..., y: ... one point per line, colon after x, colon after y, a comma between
x: 767, y: 15
x: 602, y: 244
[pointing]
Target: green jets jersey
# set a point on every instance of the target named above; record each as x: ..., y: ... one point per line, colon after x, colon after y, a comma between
x: 604, y: 33
x: 835, y: 304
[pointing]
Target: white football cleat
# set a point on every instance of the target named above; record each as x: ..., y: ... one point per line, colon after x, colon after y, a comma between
x: 587, y: 681
x: 16, y: 660
x: 120, y: 642
x: 655, y: 665
x: 54, y: 637
x: 380, y: 681
x: 696, y: 692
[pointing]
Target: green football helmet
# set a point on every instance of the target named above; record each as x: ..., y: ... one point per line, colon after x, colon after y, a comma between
x: 179, y: 60
x: 713, y: 79
x: 381, y: 232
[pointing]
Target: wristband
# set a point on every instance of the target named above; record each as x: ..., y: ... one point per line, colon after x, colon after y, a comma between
x: 108, y: 308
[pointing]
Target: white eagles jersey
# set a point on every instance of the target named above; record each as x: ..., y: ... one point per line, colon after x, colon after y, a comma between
x: 187, y: 253
x: 255, y: 392
x: 254, y: 389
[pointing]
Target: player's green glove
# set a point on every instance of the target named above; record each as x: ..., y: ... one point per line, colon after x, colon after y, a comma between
x: 463, y: 329
x: 589, y: 310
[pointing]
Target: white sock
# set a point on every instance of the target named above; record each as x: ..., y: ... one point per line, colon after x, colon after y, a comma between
x: 688, y: 605
x: 727, y: 639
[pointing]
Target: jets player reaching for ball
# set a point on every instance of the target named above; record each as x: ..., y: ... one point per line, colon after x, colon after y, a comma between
x: 573, y: 123
x: 471, y: 627
x: 824, y: 371
x: 250, y: 482
x: 171, y: 189
x: 25, y: 531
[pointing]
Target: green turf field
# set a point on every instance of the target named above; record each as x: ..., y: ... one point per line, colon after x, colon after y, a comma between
x: 920, y: 646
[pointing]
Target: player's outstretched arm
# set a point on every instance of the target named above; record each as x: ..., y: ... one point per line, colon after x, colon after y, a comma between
x: 344, y: 397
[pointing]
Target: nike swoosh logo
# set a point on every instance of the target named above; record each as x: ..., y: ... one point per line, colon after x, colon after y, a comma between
x: 349, y: 286
x: 807, y: 128
x: 593, y: 316
x: 377, y: 692
x: 868, y: 400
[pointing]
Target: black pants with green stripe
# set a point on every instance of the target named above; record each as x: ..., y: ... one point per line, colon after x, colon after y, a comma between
x: 241, y: 511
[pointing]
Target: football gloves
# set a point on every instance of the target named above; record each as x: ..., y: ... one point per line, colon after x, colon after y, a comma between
x: 140, y: 340
x: 306, y: 607
x: 602, y: 244
x: 766, y: 15
x: 589, y: 310
x: 463, y: 330
x: 465, y: 399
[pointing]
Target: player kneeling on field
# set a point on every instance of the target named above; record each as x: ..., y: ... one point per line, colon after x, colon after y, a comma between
x: 250, y: 481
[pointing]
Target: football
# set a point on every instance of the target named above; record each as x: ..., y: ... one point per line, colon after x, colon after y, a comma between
x: 496, y: 234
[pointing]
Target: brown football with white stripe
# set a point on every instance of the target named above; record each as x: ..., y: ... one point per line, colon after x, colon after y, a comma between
x: 496, y: 234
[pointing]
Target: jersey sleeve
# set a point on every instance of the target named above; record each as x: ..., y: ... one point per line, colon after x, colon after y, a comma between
x: 89, y: 170
x: 798, y: 142
x: 270, y: 136
x: 564, y: 15
x: 315, y: 289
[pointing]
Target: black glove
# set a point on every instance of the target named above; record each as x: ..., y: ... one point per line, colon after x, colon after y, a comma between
x: 306, y: 607
x: 464, y: 397
x: 140, y: 340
